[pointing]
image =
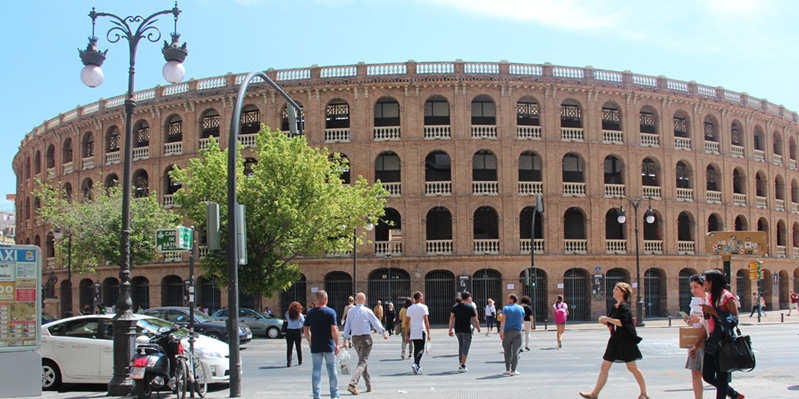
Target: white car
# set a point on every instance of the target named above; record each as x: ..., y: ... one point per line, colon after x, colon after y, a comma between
x: 80, y: 350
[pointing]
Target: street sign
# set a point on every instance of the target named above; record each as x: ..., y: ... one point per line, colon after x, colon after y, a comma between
x: 753, y: 266
x: 727, y: 243
x: 754, y: 276
x: 171, y: 240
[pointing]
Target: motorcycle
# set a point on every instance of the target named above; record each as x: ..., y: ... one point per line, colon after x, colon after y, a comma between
x: 156, y: 365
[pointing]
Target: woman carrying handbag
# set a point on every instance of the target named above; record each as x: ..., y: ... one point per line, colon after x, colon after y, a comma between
x: 722, y: 317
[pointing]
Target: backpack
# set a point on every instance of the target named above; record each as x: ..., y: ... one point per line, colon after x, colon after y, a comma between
x: 560, y: 313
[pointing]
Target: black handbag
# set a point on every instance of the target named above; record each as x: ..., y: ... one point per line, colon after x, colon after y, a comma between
x: 735, y: 354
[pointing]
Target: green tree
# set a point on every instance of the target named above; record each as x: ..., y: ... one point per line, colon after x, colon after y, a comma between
x: 296, y: 205
x: 94, y: 224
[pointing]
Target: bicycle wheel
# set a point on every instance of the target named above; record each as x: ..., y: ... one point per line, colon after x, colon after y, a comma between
x: 181, y: 379
x: 200, y: 382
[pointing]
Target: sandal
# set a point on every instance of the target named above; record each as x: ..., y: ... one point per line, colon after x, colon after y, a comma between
x: 589, y: 395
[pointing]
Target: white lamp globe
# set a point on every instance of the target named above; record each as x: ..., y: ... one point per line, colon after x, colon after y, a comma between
x: 370, y: 226
x: 621, y: 219
x: 174, y: 72
x: 650, y: 219
x: 91, y: 75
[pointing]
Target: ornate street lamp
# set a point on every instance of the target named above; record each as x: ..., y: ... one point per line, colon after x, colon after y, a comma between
x: 57, y: 234
x: 92, y: 76
x: 650, y: 218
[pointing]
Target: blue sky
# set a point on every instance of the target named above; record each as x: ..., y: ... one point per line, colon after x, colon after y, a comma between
x: 744, y: 45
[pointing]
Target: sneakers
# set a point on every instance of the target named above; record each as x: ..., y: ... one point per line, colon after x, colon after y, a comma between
x: 353, y: 390
x: 403, y: 354
x: 526, y: 348
x: 415, y: 368
x: 506, y: 372
x: 462, y: 369
x: 515, y: 373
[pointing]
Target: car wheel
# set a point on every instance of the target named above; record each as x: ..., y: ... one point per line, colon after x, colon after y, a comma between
x: 215, y: 335
x: 51, y: 375
x: 272, y: 332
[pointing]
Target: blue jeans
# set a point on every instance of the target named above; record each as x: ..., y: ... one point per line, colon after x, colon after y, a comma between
x: 332, y: 373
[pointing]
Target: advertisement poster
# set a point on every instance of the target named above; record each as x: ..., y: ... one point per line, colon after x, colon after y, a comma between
x: 20, y: 271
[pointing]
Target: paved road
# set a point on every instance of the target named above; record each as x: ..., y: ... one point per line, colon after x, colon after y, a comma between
x: 546, y: 372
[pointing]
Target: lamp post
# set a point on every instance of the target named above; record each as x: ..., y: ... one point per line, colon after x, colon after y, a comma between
x: 650, y: 218
x: 132, y: 29
x: 57, y: 234
x: 369, y: 226
x: 533, y: 277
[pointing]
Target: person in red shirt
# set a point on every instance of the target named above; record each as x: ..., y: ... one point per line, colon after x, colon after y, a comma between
x: 794, y: 302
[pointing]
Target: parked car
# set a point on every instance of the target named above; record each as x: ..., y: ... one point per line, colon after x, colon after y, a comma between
x: 259, y: 323
x: 203, y: 323
x: 80, y: 350
x: 48, y: 318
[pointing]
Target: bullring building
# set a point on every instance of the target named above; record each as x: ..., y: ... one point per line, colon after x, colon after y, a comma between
x: 464, y: 149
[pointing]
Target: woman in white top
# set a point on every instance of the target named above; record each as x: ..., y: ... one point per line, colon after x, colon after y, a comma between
x: 696, y: 319
x: 561, y: 310
x: 491, y: 312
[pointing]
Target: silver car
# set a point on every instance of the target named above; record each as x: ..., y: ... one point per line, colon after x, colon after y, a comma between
x: 259, y: 323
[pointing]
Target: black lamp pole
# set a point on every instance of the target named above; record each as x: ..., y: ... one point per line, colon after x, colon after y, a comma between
x: 539, y: 207
x: 123, y: 322
x: 635, y: 203
x: 68, y: 299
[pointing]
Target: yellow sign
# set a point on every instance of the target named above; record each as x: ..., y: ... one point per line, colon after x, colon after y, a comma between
x: 727, y: 243
x: 7, y: 291
x: 754, y: 275
x: 753, y: 266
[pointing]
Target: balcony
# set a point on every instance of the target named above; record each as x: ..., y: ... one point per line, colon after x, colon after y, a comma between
x: 652, y: 192
x: 651, y: 140
x: 484, y: 132
x: 485, y: 187
x: 616, y: 246
x: 574, y: 189
x: 737, y: 151
x: 779, y: 205
x: 204, y: 144
x: 794, y: 207
x: 248, y: 140
x: 739, y: 199
x: 761, y: 202
x: 438, y: 188
x: 782, y: 252
x: 387, y: 133
x: 51, y: 263
x: 528, y: 132
x: 777, y: 159
x: 796, y: 253
x: 572, y: 134
x: 112, y: 158
x: 434, y: 132
x: 760, y: 155
x: 614, y: 190
x: 175, y: 257
x: 714, y: 197
x: 531, y: 187
x: 141, y: 153
x: 524, y: 245
x: 173, y: 148
x: 792, y: 164
x: 685, y: 194
x: 202, y: 251
x: 439, y: 247
x: 612, y: 137
x: 653, y: 247
x: 87, y: 163
x: 169, y: 201
x: 575, y: 246
x: 490, y: 246
x: 67, y: 168
x: 686, y: 247
x: 712, y: 147
x: 337, y: 135
x: 394, y: 189
x: 384, y: 248
x: 682, y: 143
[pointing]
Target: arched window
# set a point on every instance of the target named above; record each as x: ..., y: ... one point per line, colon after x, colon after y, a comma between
x: 571, y: 115
x: 759, y: 139
x: 209, y: 124
x: 684, y: 227
x: 486, y: 223
x: 439, y: 224
x: 66, y: 192
x: 484, y: 166
x: 171, y: 186
x: 112, y: 180
x: 683, y: 175
x: 714, y: 223
x: 528, y: 112
x: 172, y: 291
x: 741, y: 224
x: 792, y: 148
x: 140, y: 292
x: 736, y: 134
x: 711, y: 132
x: 647, y: 120
x: 777, y: 145
x: 761, y: 190
x: 142, y: 135
x: 37, y: 163
x: 483, y: 111
x: 387, y: 168
x: 436, y: 111
x: 27, y: 168
x: 779, y: 188
x: 681, y: 125
x: 649, y: 173
x: 529, y: 167
x: 794, y: 192
x: 388, y: 233
x: 284, y: 119
x: 250, y: 119
x: 141, y: 184
x: 86, y: 189
x: 387, y: 112
x: 66, y: 151
x: 337, y: 114
x: 50, y: 157
x: 112, y: 141
x: 782, y: 236
x: 437, y: 174
x: 712, y: 179
x: 174, y: 129
x: 738, y: 182
x: 574, y: 224
x: 613, y: 170
x: 525, y: 223
x: 611, y: 117
x: 573, y: 168
x: 613, y: 229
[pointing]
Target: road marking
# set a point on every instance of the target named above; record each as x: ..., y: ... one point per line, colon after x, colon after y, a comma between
x: 680, y: 376
x: 768, y: 373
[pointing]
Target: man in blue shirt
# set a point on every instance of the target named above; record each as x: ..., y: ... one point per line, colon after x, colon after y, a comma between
x: 360, y: 322
x: 321, y: 331
x: 510, y: 332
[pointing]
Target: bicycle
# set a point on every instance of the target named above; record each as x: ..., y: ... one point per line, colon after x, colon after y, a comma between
x: 193, y: 382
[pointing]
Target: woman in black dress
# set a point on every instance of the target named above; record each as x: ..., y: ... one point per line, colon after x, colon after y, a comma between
x: 623, y: 342
x: 391, y: 316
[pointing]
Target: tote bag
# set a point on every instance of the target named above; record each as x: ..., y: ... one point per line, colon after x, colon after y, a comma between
x: 735, y: 354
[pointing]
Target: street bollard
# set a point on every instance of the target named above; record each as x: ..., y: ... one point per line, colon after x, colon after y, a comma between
x: 669, y: 321
x: 782, y: 317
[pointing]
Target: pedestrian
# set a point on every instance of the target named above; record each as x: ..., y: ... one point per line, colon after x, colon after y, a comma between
x: 418, y: 329
x: 794, y: 303
x: 295, y: 321
x: 561, y: 310
x: 403, y: 325
x: 510, y: 332
x: 267, y: 311
x: 391, y: 317
x: 360, y: 321
x: 350, y: 305
x: 379, y: 312
x: 623, y: 343
x: 528, y: 320
x: 722, y: 317
x: 461, y: 318
x: 758, y: 304
x: 321, y: 331
x: 490, y: 312
x: 696, y: 320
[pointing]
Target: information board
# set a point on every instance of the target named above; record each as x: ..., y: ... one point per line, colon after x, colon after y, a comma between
x: 737, y: 243
x: 20, y: 297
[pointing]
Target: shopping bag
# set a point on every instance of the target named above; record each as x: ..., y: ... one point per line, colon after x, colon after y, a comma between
x: 342, y: 362
x: 689, y: 336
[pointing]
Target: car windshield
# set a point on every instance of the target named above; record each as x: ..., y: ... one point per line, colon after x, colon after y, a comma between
x: 202, y: 317
x: 153, y: 325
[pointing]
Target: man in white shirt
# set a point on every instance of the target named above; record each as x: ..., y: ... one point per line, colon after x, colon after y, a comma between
x: 416, y: 317
x: 360, y: 322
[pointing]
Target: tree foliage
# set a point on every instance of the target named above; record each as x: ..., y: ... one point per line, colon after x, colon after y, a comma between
x: 94, y: 225
x: 296, y: 205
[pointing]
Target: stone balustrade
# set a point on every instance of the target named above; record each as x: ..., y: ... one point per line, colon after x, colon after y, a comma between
x: 653, y: 192
x: 437, y: 132
x: 485, y: 187
x: 649, y: 139
x: 383, y: 248
x: 337, y: 135
x: 574, y: 189
x: 439, y: 247
x: 653, y: 247
x: 616, y: 246
x: 737, y: 151
x: 173, y: 148
x: 575, y: 246
x: 712, y: 147
x: 387, y: 133
x: 612, y: 137
x: 682, y: 143
x: 614, y: 190
x: 528, y: 132
x: 141, y: 153
x: 739, y: 199
x: 685, y: 194
x: 714, y: 197
x: 572, y: 134
x: 112, y: 158
x: 531, y: 187
x: 438, y: 188
x: 486, y: 246
x: 524, y: 245
x: 686, y: 247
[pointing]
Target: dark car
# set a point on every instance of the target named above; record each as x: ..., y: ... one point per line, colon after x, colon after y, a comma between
x: 203, y: 323
x: 259, y: 323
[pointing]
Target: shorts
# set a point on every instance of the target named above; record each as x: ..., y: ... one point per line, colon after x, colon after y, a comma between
x: 695, y: 364
x: 794, y: 305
